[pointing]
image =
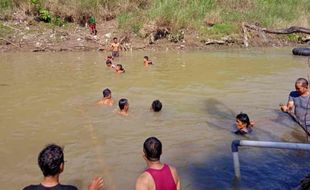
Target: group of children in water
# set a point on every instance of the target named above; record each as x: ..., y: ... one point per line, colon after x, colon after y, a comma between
x: 123, y: 103
x: 242, y: 126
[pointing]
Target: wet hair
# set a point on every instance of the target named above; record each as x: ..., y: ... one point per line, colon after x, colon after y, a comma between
x: 244, y: 118
x: 122, y: 102
x: 115, y: 38
x: 303, y: 82
x: 108, y: 62
x: 50, y: 159
x: 156, y: 106
x: 152, y: 149
x: 121, y: 67
x: 146, y: 57
x: 106, y: 92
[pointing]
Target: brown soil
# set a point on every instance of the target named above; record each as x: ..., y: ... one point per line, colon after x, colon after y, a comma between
x: 31, y: 36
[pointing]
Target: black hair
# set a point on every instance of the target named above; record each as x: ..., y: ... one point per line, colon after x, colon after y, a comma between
x: 108, y: 62
x: 115, y: 38
x: 303, y: 82
x: 152, y: 149
x: 106, y: 92
x: 50, y: 159
x: 122, y: 102
x: 156, y: 105
x: 244, y: 118
x: 121, y: 66
x: 146, y: 57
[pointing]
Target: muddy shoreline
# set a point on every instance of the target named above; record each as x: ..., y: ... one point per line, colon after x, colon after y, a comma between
x: 24, y: 36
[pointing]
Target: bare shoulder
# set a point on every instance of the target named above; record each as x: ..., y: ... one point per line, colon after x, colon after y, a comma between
x: 143, y: 181
x: 173, y: 170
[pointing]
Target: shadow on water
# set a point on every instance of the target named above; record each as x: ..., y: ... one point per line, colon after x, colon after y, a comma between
x: 263, y: 169
x: 296, y: 133
x: 223, y: 117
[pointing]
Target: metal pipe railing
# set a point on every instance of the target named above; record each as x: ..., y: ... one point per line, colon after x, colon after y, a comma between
x: 262, y: 144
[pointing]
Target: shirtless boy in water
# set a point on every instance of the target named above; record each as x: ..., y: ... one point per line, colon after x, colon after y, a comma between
x: 146, y: 61
x: 107, y: 98
x: 119, y: 68
x: 115, y: 46
x: 123, y: 107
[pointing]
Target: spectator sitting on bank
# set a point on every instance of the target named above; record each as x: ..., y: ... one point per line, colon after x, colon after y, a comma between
x: 107, y: 98
x: 243, y: 124
x: 157, y: 176
x: 51, y: 162
x: 156, y: 106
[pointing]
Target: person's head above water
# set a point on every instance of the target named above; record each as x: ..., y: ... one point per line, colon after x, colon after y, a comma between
x: 106, y: 93
x: 119, y: 67
x: 152, y: 149
x: 243, y: 119
x: 51, y: 160
x: 301, y: 86
x: 146, y: 58
x: 156, y: 106
x: 108, y: 63
x: 123, y: 104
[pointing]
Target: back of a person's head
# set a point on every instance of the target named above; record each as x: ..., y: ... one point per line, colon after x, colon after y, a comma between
x: 106, y: 92
x: 146, y: 57
x: 108, y: 62
x: 303, y: 82
x: 122, y: 102
x: 50, y: 159
x: 244, y: 118
x: 156, y: 106
x: 152, y: 149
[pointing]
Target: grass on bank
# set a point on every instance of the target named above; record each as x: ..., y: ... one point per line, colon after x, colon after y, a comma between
x: 132, y: 15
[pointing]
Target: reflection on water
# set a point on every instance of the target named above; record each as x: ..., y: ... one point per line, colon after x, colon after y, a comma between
x: 51, y: 97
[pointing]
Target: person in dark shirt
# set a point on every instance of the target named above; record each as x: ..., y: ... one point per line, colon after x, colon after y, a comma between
x: 51, y: 163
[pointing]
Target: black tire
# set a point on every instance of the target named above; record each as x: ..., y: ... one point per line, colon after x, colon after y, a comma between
x: 301, y: 51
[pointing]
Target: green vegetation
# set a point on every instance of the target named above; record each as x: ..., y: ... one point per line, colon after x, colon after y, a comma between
x: 207, y: 17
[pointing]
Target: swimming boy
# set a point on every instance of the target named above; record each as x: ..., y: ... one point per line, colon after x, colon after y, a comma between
x: 146, y: 61
x: 107, y: 98
x: 123, y: 107
x: 119, y: 68
x: 243, y: 124
x: 115, y: 46
x: 156, y: 106
x: 51, y: 162
x: 157, y: 176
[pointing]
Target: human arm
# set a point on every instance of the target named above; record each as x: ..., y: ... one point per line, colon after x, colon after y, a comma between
x: 176, y: 177
x: 142, y: 182
x: 96, y: 184
x: 289, y: 106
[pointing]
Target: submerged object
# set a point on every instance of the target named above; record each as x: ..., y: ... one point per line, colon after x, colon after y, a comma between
x: 301, y: 51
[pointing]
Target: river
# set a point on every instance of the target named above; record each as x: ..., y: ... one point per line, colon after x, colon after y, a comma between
x: 50, y: 98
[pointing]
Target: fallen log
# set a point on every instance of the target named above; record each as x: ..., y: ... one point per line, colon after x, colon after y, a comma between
x: 290, y: 30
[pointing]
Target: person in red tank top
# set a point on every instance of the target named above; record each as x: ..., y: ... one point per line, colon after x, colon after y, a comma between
x: 157, y: 176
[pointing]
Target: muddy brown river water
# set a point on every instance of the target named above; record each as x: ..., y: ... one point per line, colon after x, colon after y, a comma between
x: 50, y: 98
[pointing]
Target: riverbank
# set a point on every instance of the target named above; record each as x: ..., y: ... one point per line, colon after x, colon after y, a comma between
x: 42, y: 25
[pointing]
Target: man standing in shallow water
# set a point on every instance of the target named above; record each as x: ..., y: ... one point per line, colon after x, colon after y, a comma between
x: 299, y: 101
x: 157, y: 176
